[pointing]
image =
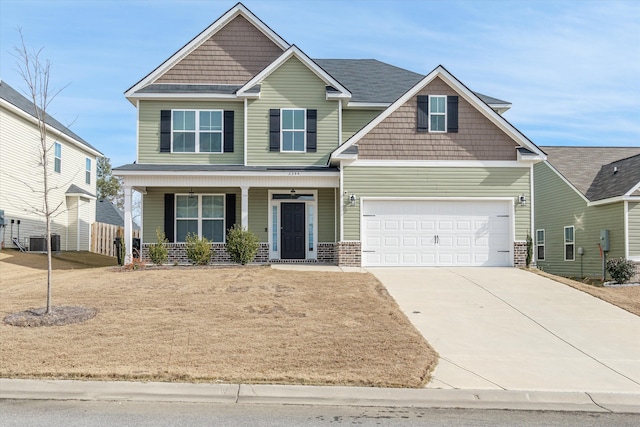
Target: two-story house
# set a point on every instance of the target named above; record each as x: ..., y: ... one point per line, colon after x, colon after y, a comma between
x: 355, y: 162
x: 71, y: 177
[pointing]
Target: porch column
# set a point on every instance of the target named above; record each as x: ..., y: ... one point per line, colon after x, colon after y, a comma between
x: 128, y: 241
x: 244, y: 207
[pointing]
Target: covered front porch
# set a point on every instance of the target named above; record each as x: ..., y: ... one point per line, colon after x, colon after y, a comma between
x: 293, y: 212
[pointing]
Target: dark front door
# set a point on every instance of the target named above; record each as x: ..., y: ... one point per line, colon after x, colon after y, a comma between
x: 292, y: 231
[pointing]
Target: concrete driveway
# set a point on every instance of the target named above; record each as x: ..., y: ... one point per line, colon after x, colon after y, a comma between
x: 504, y: 328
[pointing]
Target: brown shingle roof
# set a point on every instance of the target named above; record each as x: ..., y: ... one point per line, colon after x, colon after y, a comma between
x: 590, y: 169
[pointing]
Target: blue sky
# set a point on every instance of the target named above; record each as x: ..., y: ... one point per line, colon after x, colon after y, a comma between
x: 570, y: 68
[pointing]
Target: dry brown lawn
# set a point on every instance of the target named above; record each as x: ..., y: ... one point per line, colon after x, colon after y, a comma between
x: 235, y: 324
x: 626, y: 297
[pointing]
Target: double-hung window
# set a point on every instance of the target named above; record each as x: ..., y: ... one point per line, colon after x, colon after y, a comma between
x: 197, y: 131
x: 87, y: 173
x: 57, y: 156
x: 569, y: 243
x: 540, y: 245
x: 200, y: 214
x: 293, y: 128
x: 437, y: 113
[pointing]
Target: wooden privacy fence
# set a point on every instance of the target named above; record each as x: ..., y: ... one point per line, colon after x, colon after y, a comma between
x: 102, y: 236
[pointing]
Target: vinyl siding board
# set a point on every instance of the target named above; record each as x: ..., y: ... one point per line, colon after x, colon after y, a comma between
x: 149, y: 133
x: 259, y: 212
x: 153, y: 206
x: 559, y: 206
x: 634, y: 229
x: 396, y: 137
x: 326, y: 215
x: 435, y: 182
x: 19, y: 153
x: 354, y: 120
x: 292, y: 85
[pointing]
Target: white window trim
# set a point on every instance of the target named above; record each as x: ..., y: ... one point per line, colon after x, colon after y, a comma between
x: 308, y: 254
x: 431, y: 97
x: 87, y: 173
x: 197, y: 132
x: 57, y: 144
x: 282, y: 130
x: 564, y: 239
x: 544, y: 242
x: 199, y: 218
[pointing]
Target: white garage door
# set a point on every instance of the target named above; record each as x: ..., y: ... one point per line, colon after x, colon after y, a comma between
x: 436, y: 233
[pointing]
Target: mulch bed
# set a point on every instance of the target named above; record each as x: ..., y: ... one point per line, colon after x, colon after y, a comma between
x: 58, y: 316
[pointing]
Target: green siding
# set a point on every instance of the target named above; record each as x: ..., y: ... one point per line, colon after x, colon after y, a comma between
x: 557, y: 205
x: 326, y: 215
x: 259, y: 212
x: 149, y: 133
x: 634, y: 229
x: 153, y: 206
x: 292, y: 85
x: 435, y: 182
x: 354, y: 120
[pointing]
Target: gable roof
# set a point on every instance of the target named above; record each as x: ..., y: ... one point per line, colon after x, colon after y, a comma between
x: 238, y: 10
x: 463, y: 91
x: 336, y: 90
x: 15, y: 98
x: 108, y: 213
x: 598, y: 173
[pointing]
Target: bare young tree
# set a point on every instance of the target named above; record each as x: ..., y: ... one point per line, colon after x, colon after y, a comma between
x: 36, y: 73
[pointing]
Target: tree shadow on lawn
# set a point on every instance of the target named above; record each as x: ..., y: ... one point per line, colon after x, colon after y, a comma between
x: 60, y: 260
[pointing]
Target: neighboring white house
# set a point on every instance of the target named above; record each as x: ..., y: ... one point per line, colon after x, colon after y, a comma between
x: 72, y: 177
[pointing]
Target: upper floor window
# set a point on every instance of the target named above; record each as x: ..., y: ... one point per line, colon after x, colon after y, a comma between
x: 57, y: 162
x: 540, y: 245
x: 437, y: 113
x: 569, y: 243
x: 293, y: 130
x: 87, y: 174
x: 197, y: 131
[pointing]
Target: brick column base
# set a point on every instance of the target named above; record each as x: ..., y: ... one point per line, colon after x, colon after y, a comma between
x: 349, y: 254
x: 520, y: 254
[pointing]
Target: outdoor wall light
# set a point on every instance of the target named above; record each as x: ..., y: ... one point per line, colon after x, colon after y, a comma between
x: 523, y: 200
x: 191, y: 193
x: 293, y: 193
x: 352, y: 199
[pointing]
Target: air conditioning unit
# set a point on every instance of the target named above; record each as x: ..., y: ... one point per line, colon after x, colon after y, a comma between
x: 39, y: 243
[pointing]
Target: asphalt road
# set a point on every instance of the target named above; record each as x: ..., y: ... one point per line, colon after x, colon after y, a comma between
x: 91, y: 413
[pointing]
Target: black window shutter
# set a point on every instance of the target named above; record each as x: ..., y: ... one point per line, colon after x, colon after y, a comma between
x: 274, y: 130
x: 423, y: 113
x: 228, y: 131
x: 312, y: 120
x: 452, y: 114
x: 169, y: 219
x: 165, y: 131
x: 230, y: 210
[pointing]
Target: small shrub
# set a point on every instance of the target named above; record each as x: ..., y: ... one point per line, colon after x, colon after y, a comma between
x: 158, y: 252
x: 123, y: 252
x: 620, y: 269
x: 198, y: 249
x: 242, y: 245
x: 529, y: 250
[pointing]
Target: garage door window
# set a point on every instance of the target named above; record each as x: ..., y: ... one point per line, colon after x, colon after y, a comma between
x: 569, y: 244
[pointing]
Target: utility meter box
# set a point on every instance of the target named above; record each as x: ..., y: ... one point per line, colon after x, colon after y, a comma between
x: 604, y: 240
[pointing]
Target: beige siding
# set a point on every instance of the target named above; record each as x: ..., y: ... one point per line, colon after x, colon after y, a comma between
x: 435, y: 182
x: 634, y: 229
x: 354, y: 120
x: 558, y: 206
x: 19, y: 170
x: 477, y: 138
x: 149, y: 134
x: 72, y: 229
x: 233, y: 55
x: 292, y: 85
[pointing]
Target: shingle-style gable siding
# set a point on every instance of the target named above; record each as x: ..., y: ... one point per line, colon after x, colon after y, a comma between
x: 233, y: 55
x: 396, y: 137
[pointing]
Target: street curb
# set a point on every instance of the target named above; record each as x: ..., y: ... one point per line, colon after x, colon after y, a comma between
x: 317, y: 395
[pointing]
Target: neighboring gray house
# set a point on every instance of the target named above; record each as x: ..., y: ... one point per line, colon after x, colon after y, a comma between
x: 108, y: 213
x: 72, y: 177
x: 580, y: 191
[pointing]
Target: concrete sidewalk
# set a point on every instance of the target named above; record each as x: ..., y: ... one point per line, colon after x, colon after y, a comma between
x: 313, y: 395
